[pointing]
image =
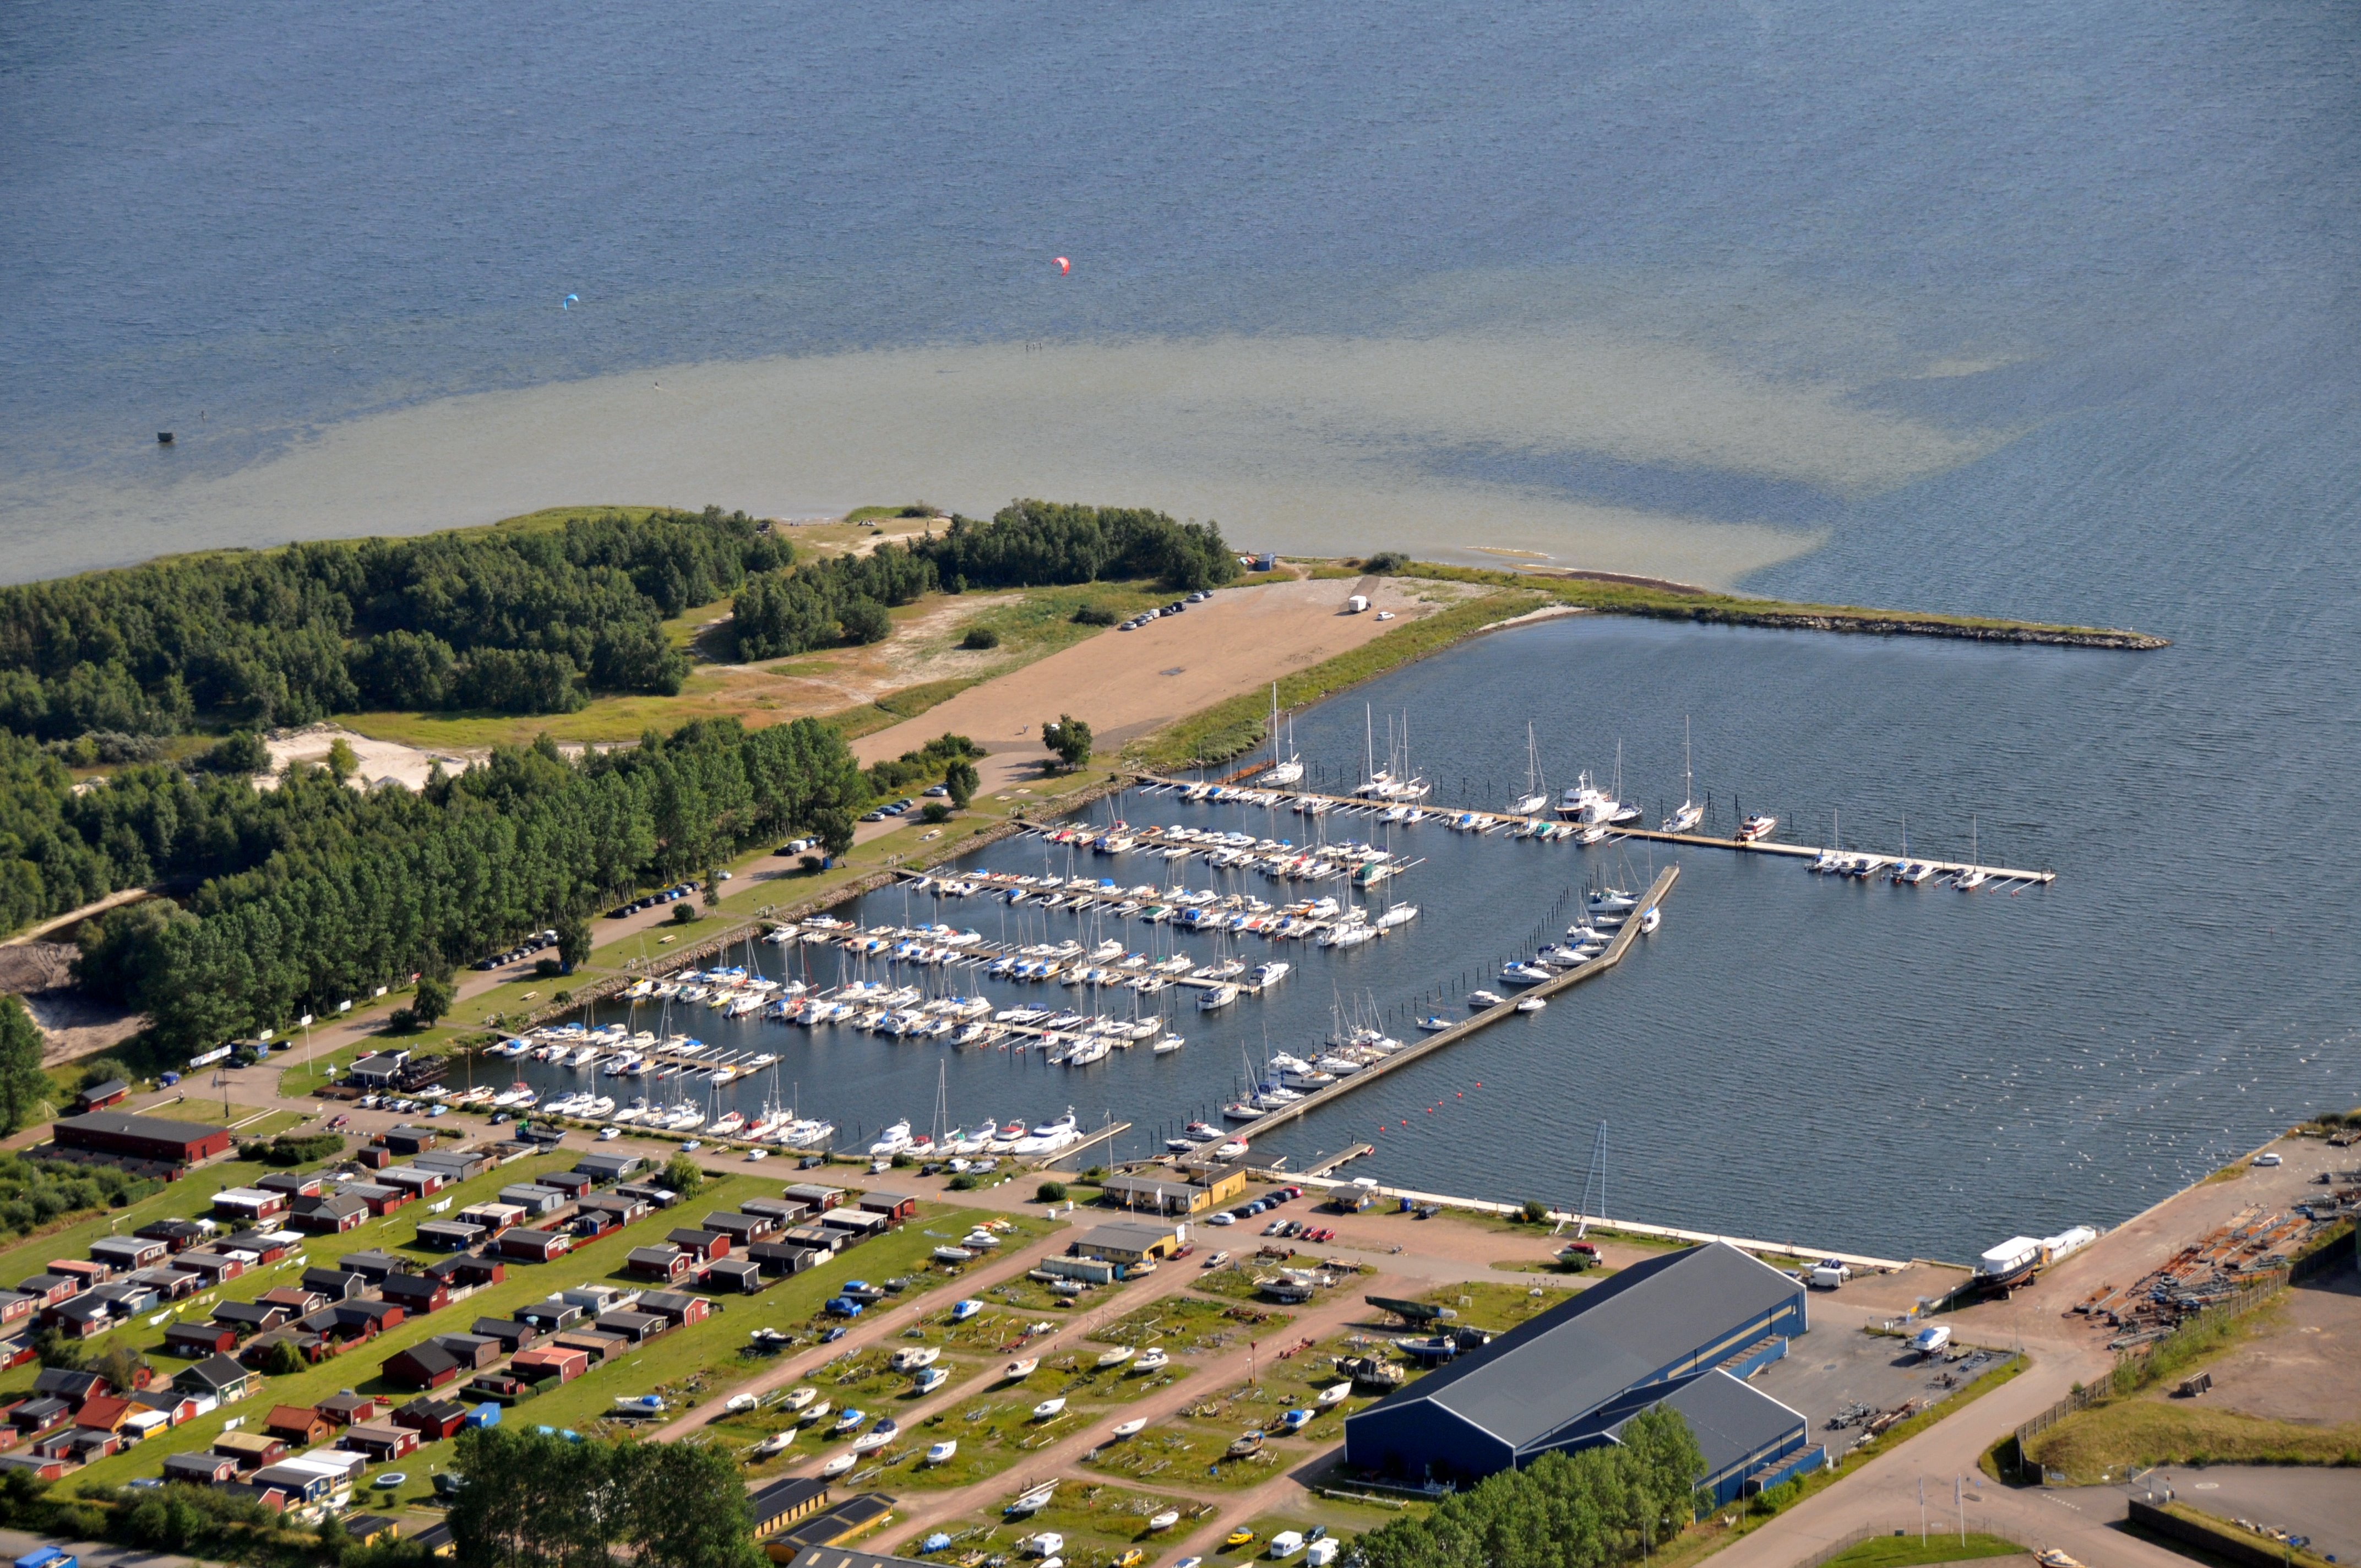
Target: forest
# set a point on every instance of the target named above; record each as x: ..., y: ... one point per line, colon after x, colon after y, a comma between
x: 1025, y: 544
x: 519, y: 620
x: 1586, y: 1508
x: 316, y: 893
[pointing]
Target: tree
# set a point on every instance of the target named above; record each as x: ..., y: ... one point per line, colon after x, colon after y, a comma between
x: 240, y: 751
x: 56, y: 1348
x: 432, y: 999
x: 342, y: 763
x: 282, y: 1360
x: 573, y: 942
x: 684, y: 913
x: 1070, y: 738
x: 712, y: 890
x: 1049, y: 1193
x: 962, y: 779
x: 121, y: 1366
x: 684, y: 1506
x: 865, y: 620
x: 24, y: 1088
x: 684, y: 1175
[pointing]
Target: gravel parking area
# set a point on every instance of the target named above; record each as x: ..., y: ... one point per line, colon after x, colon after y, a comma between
x: 1836, y: 1373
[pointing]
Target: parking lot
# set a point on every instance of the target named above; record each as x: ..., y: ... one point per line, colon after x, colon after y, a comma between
x: 1839, y: 1372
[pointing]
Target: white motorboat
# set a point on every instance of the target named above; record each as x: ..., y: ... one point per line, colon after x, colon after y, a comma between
x: 1015, y: 1371
x: 1034, y: 1501
x: 911, y: 1358
x: 1168, y: 1045
x: 1219, y: 997
x: 870, y: 1442
x: 817, y: 1412
x: 1115, y: 1357
x: 1129, y: 1429
x: 1650, y: 920
x: 1164, y: 1521
x: 1151, y: 1360
x: 797, y: 1398
x: 1335, y: 1393
x: 1756, y: 827
x: 839, y: 1465
x: 775, y: 1444
x: 1047, y: 1407
x: 942, y: 1452
x: 1611, y: 901
x: 1532, y: 1004
x: 1483, y: 999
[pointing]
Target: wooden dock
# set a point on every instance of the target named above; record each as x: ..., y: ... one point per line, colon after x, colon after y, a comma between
x: 1495, y: 821
x: 1426, y: 1045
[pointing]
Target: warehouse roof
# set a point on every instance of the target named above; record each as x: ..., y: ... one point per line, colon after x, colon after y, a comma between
x: 122, y: 1125
x: 1575, y: 1357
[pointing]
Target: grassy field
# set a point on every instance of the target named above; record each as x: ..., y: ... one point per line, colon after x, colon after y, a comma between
x: 1909, y: 1551
x: 1488, y: 1304
x: 2109, y: 1438
x: 1098, y: 1523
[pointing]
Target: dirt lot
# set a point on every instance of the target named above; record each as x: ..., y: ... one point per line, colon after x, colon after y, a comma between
x: 1125, y: 683
x: 2305, y: 1365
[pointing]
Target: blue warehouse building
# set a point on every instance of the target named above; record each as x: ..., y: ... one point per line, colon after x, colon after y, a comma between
x: 1683, y: 1330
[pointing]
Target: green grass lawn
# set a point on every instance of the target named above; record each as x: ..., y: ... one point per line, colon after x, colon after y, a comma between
x: 1098, y: 1523
x: 1489, y: 1304
x: 1906, y: 1550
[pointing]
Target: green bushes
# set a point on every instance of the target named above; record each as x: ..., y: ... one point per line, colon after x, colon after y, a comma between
x: 1386, y: 562
x: 980, y: 637
x: 1049, y: 1193
x: 923, y: 766
x: 24, y: 1087
x: 1093, y: 615
x: 35, y: 1194
x: 292, y: 1149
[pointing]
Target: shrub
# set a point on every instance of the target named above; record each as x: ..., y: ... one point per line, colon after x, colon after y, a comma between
x: 808, y: 864
x: 979, y: 637
x: 1384, y: 563
x: 289, y: 1149
x: 402, y: 1021
x: 1050, y: 1193
x: 683, y: 913
x: 544, y: 969
x: 1094, y: 615
x: 241, y: 751
x: 962, y: 1183
x: 935, y: 811
x: 1534, y: 1211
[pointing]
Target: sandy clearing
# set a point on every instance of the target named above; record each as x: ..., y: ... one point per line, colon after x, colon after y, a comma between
x: 379, y: 761
x: 1125, y: 683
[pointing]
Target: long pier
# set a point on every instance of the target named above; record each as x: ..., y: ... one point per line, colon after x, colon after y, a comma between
x: 1495, y: 821
x: 1443, y: 1039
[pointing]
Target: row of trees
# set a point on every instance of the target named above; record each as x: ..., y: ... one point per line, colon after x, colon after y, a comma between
x: 538, y: 1500
x: 522, y: 621
x: 1584, y: 1510
x: 363, y: 890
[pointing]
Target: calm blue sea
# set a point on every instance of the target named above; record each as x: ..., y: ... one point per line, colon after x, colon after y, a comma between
x: 2110, y: 247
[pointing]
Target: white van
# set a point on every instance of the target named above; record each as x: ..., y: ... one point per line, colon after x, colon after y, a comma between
x: 1356, y: 604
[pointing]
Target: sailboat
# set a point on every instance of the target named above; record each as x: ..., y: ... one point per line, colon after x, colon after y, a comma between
x: 1283, y: 771
x: 1691, y: 812
x: 1535, y: 799
x: 1970, y: 876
